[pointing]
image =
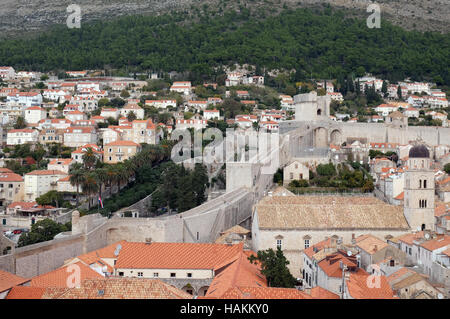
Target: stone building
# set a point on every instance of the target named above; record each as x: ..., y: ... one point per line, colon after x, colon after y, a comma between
x: 295, y: 171
x: 297, y: 222
x: 419, y: 190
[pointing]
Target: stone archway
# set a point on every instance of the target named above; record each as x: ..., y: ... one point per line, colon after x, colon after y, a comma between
x: 321, y: 137
x: 202, y: 291
x: 336, y: 137
x: 189, y: 289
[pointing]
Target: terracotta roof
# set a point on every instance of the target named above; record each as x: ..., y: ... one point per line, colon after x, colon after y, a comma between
x: 359, y: 289
x: 123, y: 143
x: 61, y: 161
x: 331, y: 264
x: 310, y: 251
x: 46, y: 172
x: 175, y: 255
x: 24, y: 292
x: 59, y: 277
x: 436, y: 243
x: 370, y: 244
x: 408, y: 281
x: 234, y: 273
x: 24, y: 130
x: 409, y: 238
x: 328, y: 212
x: 28, y: 206
x: 9, y: 280
x: 440, y: 210
x: 10, y: 177
x: 398, y: 274
x: 264, y: 293
x: 322, y: 293
x: 400, y: 196
x: 5, y: 170
x: 119, y: 288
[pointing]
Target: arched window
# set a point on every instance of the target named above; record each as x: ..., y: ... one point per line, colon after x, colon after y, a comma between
x: 319, y: 112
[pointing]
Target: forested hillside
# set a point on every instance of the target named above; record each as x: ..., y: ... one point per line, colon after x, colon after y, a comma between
x: 318, y: 44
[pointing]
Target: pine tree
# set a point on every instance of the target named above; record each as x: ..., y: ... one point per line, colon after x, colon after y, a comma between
x: 274, y: 268
x: 384, y: 88
x: 399, y: 92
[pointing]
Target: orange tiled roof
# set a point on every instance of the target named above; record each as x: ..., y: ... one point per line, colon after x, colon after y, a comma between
x: 359, y: 289
x: 59, y: 277
x: 175, y: 255
x: 119, y: 288
x: 370, y: 244
x: 237, y: 272
x: 409, y: 238
x: 46, y: 172
x: 9, y: 280
x: 264, y: 293
x: 122, y: 143
x: 399, y: 273
x: 440, y: 210
x: 436, y: 243
x: 24, y: 292
x: 331, y: 264
x: 400, y: 196
x: 10, y: 177
x: 320, y: 245
x: 322, y: 293
x: 62, y: 161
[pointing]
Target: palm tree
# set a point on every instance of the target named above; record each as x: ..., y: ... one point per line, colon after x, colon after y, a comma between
x: 90, y: 186
x: 89, y: 158
x: 76, y: 178
x: 102, y: 178
x: 111, y: 173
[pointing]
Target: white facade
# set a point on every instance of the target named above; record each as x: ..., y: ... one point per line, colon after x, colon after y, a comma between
x: 35, y: 114
x: 22, y: 136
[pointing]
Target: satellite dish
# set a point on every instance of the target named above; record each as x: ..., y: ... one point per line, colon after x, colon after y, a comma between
x: 440, y: 296
x: 418, y: 228
x: 427, y: 236
x: 349, y: 253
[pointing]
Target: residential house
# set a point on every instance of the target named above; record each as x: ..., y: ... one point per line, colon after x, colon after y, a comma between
x: 162, y: 104
x: 60, y: 164
x: 78, y: 136
x: 39, y: 182
x: 183, y: 87
x: 295, y: 171
x: 22, y: 136
x: 138, y: 111
x: 11, y: 188
x: 119, y: 151
x: 51, y: 135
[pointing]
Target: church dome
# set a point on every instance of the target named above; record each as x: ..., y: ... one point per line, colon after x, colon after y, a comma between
x: 419, y: 151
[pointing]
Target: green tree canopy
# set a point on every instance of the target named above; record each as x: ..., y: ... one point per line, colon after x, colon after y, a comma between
x: 274, y: 268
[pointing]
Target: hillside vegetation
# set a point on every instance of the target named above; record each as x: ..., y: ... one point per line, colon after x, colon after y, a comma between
x: 318, y: 44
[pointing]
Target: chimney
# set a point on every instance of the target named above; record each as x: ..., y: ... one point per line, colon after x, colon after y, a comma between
x: 375, y: 248
x: 353, y: 239
x: 148, y: 241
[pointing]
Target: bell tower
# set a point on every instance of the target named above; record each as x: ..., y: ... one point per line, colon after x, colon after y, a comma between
x: 419, y: 189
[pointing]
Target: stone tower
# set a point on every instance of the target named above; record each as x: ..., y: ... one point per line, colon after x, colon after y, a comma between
x: 419, y: 189
x: 310, y: 107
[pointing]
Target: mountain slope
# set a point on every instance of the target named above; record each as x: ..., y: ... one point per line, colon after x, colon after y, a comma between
x: 320, y: 44
x: 19, y: 16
